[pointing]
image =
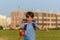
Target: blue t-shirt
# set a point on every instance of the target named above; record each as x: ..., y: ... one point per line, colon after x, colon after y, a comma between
x: 29, y: 33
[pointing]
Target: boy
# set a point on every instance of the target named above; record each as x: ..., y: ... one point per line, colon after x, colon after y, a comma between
x: 29, y: 32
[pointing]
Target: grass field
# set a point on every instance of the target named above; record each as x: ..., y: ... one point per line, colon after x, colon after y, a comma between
x: 40, y: 35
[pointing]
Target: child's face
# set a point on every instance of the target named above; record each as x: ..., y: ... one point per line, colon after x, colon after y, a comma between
x: 29, y: 19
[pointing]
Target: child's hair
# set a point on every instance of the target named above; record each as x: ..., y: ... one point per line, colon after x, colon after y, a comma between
x: 29, y: 13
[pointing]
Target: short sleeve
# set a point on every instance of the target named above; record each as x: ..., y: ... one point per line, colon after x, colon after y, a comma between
x: 36, y: 25
x: 21, y: 25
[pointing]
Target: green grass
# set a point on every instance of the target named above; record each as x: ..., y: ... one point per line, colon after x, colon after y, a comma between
x: 40, y: 35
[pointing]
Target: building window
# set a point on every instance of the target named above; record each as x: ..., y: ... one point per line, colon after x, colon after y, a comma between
x: 53, y: 24
x: 58, y: 15
x: 46, y: 19
x: 58, y: 20
x: 40, y: 19
x: 46, y: 24
x: 48, y: 15
x: 53, y: 19
x: 40, y: 23
x: 52, y: 15
x: 44, y: 14
x: 58, y: 24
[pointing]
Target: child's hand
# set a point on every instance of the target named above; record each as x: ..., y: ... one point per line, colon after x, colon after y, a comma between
x: 46, y: 29
x: 8, y: 26
x: 40, y: 28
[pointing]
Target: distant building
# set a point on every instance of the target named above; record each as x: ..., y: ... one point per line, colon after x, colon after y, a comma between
x: 8, y: 21
x: 16, y: 17
x: 50, y: 20
x: 43, y: 19
x: 3, y: 20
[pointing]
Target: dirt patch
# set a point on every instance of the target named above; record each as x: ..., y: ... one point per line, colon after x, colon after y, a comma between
x: 3, y: 38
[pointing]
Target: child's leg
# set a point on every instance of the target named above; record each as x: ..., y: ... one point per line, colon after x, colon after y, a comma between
x: 19, y: 38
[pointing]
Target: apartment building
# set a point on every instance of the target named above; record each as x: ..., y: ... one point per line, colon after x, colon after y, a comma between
x: 43, y: 19
x: 50, y: 20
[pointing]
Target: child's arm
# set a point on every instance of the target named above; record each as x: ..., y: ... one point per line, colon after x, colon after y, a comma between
x: 15, y: 28
x: 40, y: 28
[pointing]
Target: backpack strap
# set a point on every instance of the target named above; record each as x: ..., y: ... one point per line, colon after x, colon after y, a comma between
x: 33, y: 24
x: 25, y: 26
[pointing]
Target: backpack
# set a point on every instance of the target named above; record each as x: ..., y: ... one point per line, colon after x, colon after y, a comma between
x: 22, y: 31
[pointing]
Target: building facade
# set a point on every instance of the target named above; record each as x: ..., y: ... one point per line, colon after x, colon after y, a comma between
x: 3, y: 20
x: 16, y: 17
x: 50, y: 20
x: 43, y: 19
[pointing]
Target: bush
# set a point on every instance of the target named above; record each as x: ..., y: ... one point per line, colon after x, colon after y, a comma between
x: 1, y: 27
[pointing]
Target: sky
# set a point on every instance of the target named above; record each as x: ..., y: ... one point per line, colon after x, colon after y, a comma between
x: 6, y: 6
